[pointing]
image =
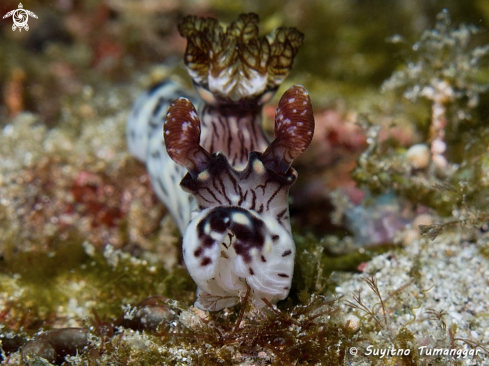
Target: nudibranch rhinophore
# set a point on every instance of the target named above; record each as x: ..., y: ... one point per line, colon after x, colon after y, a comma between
x: 233, y: 209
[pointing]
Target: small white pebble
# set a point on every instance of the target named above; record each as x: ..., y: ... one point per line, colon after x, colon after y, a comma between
x: 438, y: 146
x: 352, y: 322
x: 8, y: 130
x: 418, y: 156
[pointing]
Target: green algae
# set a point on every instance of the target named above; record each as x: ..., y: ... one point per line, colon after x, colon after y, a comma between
x: 36, y: 282
x: 405, y: 340
x: 315, y: 264
x: 107, y: 280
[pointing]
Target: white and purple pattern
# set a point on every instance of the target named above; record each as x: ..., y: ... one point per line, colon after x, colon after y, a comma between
x: 233, y: 209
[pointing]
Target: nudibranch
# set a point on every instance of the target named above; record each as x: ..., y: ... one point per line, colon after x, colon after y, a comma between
x: 231, y: 204
x: 240, y: 234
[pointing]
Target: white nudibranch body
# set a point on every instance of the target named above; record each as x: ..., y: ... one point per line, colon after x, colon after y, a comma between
x: 232, y: 255
x: 231, y: 206
x: 240, y: 234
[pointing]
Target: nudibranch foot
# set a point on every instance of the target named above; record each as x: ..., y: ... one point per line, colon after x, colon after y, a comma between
x: 240, y: 233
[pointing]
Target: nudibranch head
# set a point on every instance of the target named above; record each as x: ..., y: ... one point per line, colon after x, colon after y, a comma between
x: 240, y: 234
x: 236, y: 63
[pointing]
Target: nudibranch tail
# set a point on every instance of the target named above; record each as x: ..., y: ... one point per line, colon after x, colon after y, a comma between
x: 182, y: 137
x: 294, y: 128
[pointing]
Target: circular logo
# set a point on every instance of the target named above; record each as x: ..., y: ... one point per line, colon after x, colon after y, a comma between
x: 353, y: 351
x: 20, y: 17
